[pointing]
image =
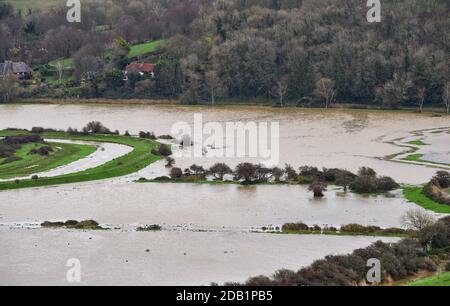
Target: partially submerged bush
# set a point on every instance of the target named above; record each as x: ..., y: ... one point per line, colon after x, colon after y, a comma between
x: 149, y: 228
x: 72, y: 224
x: 163, y: 150
x: 176, y: 173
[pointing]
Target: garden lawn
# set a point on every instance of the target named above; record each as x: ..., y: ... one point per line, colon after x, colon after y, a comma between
x: 63, y: 154
x: 415, y: 195
x: 134, y: 161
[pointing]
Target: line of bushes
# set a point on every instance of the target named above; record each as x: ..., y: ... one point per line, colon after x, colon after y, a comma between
x: 73, y: 224
x: 350, y: 229
x: 365, y: 181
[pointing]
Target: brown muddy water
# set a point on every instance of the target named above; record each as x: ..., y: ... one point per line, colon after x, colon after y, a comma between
x: 211, y: 224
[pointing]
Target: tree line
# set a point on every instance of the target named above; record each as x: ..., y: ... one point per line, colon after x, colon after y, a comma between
x: 302, y: 52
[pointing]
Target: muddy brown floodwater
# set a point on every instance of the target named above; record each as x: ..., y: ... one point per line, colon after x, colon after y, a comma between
x: 207, y: 228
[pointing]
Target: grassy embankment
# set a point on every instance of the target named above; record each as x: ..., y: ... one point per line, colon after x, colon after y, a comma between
x: 63, y: 154
x: 331, y: 233
x: 438, y: 280
x: 415, y: 195
x: 419, y: 158
x: 134, y: 161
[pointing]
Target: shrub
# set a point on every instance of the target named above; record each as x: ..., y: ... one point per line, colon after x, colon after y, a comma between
x: 386, y: 183
x: 245, y: 172
x: 309, y: 171
x: 366, y: 171
x: 149, y: 228
x: 163, y: 150
x: 364, y: 184
x: 166, y: 137
x: 291, y: 174
x: 37, y: 130
x: 295, y: 227
x: 176, y: 173
x: 219, y: 171
x: 443, y: 179
x: 147, y: 135
x: 96, y: 127
x: 318, y: 188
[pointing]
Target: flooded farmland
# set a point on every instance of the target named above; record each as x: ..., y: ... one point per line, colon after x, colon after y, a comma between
x: 208, y: 236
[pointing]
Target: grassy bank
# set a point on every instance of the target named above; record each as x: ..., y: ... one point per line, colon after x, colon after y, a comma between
x: 415, y: 195
x: 134, y: 161
x: 63, y: 154
x: 419, y: 158
x: 331, y: 233
x: 438, y: 280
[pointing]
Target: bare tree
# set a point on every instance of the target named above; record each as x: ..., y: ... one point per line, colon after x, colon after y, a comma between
x: 280, y: 90
x: 325, y: 89
x: 421, y: 95
x: 59, y: 69
x: 446, y: 97
x: 213, y: 85
x: 417, y: 219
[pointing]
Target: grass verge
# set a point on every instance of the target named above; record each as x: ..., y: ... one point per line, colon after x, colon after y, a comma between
x: 415, y: 195
x: 134, y: 161
x: 63, y: 154
x: 433, y: 281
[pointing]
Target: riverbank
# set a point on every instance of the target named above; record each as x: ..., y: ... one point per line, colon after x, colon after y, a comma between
x: 415, y: 195
x: 248, y: 102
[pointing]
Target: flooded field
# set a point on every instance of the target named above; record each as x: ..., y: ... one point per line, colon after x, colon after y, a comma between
x: 227, y: 251
x: 164, y: 258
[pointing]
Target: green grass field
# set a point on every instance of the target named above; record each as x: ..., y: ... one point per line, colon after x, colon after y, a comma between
x: 63, y: 154
x: 418, y: 142
x: 435, y: 281
x: 24, y: 5
x: 134, y: 161
x: 145, y: 48
x: 419, y: 158
x: 66, y: 63
x: 415, y: 195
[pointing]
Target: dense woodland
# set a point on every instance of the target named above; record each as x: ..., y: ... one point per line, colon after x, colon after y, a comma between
x: 303, y: 52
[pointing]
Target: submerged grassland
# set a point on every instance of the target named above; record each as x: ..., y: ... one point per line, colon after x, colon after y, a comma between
x: 28, y: 164
x: 134, y: 161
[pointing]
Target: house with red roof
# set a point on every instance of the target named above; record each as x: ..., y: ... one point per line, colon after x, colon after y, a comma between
x: 141, y: 68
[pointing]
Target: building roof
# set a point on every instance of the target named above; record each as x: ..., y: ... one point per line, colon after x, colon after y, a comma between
x: 140, y: 67
x: 9, y: 67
